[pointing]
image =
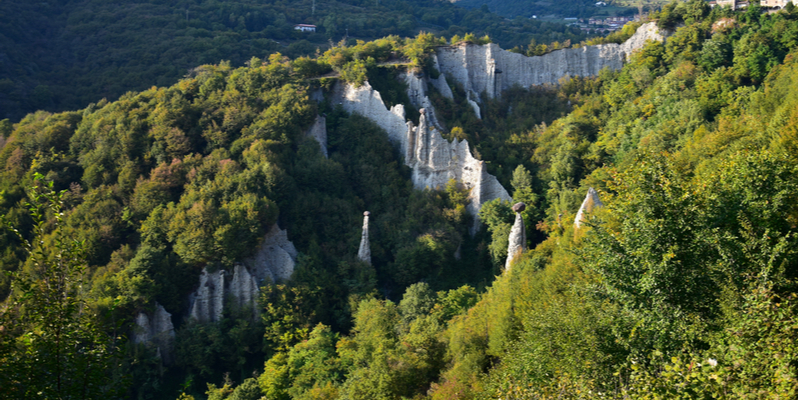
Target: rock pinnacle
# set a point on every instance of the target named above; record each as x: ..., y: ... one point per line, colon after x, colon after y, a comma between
x: 363, y: 250
x: 516, y: 240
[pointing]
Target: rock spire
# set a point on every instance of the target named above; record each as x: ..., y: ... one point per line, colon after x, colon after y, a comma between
x: 363, y: 250
x: 516, y: 240
x: 591, y: 202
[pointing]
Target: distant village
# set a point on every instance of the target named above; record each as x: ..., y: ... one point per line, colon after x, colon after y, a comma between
x: 601, y: 25
x: 611, y: 24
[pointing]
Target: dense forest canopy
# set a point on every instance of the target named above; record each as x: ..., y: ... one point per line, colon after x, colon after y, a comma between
x: 61, y: 55
x: 683, y: 284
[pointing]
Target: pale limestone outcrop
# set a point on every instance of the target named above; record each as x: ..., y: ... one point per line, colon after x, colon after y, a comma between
x: 418, y: 94
x: 490, y: 69
x: 367, y: 102
x: 363, y: 249
x: 243, y: 287
x: 590, y: 202
x: 475, y: 107
x: 433, y: 160
x: 648, y: 31
x: 156, y: 330
x: 274, y: 260
x: 209, y: 298
x: 517, y: 242
x: 319, y: 133
x: 440, y: 83
x: 275, y: 257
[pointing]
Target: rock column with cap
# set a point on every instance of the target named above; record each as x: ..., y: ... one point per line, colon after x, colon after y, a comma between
x: 363, y: 250
x: 516, y: 240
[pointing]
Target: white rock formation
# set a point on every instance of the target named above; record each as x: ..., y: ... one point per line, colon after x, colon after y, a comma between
x: 157, y: 331
x: 434, y: 160
x: 590, y: 202
x: 243, y: 287
x: 275, y: 257
x: 475, y: 107
x: 517, y: 242
x: 319, y: 133
x: 490, y: 69
x: 209, y: 298
x: 440, y: 83
x: 363, y: 249
x: 418, y: 94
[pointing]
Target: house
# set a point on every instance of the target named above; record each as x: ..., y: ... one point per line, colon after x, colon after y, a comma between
x: 774, y: 3
x: 305, y: 28
x: 734, y: 4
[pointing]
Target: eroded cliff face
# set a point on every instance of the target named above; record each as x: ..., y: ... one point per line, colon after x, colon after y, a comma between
x: 156, y: 330
x: 275, y: 257
x: 433, y: 160
x: 319, y: 132
x: 274, y: 260
x: 209, y: 298
x: 490, y: 69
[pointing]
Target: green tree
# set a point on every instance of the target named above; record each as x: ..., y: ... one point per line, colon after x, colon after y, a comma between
x: 52, y: 344
x: 498, y: 217
x: 418, y: 301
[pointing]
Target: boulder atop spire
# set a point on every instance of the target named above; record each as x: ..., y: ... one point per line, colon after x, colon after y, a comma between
x: 517, y: 242
x: 363, y: 250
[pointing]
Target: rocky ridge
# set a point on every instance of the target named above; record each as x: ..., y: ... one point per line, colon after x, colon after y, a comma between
x: 479, y: 69
x: 492, y: 70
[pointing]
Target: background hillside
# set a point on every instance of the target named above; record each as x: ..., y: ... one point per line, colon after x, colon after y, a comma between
x: 558, y: 10
x: 61, y: 55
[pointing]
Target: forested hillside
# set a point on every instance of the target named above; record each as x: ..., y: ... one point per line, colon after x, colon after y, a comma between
x: 61, y: 55
x: 683, y: 284
x: 527, y: 8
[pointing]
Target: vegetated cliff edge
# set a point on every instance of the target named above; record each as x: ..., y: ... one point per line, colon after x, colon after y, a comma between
x: 479, y: 69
